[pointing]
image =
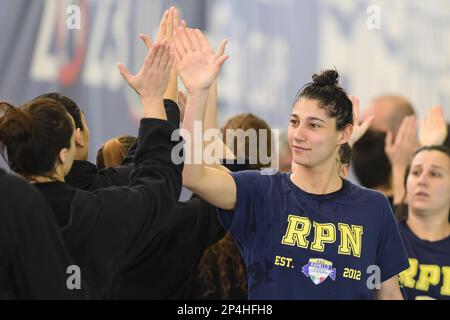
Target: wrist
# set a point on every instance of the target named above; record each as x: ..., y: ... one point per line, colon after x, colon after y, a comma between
x: 399, y: 170
x: 198, y: 93
x: 151, y: 99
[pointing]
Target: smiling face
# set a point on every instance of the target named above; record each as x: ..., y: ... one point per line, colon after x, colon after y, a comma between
x: 312, y: 135
x: 428, y: 183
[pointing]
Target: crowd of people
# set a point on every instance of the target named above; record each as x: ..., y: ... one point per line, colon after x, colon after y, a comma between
x: 358, y: 195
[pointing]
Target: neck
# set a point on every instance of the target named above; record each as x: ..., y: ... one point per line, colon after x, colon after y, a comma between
x: 431, y: 227
x: 317, y: 180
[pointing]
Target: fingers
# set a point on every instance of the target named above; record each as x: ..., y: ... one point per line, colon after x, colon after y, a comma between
x: 163, y: 26
x: 124, y: 72
x: 181, y: 41
x: 366, y: 124
x: 176, y: 20
x: 167, y: 59
x: 160, y: 54
x: 146, y: 39
x: 152, y: 55
x: 201, y: 38
x: 170, y: 22
x: 411, y: 130
x: 356, y: 104
x: 221, y: 60
x: 194, y: 40
x: 220, y: 52
x: 389, y: 141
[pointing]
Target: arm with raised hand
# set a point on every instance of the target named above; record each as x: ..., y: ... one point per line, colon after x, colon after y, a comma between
x: 198, y: 67
x: 433, y: 128
x: 399, y: 153
x: 221, y: 151
x: 359, y: 129
x: 151, y: 81
x: 167, y: 28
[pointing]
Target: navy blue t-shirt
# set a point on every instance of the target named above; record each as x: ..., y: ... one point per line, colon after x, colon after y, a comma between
x: 297, y: 245
x: 428, y: 276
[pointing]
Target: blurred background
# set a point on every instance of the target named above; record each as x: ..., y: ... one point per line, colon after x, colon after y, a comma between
x: 378, y: 47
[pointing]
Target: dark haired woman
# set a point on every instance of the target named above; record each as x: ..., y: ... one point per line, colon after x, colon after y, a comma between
x: 104, y: 231
x: 33, y: 258
x: 425, y: 227
x: 305, y: 235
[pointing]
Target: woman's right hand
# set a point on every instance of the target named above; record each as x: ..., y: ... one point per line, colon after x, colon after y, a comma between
x: 197, y: 64
x: 433, y: 128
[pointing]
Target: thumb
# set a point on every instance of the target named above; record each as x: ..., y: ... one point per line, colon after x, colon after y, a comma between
x: 389, y: 140
x: 146, y: 39
x: 124, y: 72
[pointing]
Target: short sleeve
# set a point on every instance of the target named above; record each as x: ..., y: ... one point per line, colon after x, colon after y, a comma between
x: 391, y: 253
x: 245, y: 220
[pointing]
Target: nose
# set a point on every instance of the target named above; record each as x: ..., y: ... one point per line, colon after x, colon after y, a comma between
x: 422, y: 180
x: 299, y: 134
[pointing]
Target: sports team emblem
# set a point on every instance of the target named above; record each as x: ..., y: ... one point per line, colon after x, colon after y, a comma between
x: 318, y: 270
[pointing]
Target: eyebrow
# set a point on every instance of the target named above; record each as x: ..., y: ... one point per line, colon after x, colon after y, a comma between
x: 309, y: 118
x: 433, y: 166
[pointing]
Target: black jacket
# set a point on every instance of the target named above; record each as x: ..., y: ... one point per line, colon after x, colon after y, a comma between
x: 85, y: 175
x: 105, y: 231
x: 33, y: 258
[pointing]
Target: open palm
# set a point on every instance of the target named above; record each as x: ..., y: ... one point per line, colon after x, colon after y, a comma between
x: 197, y: 65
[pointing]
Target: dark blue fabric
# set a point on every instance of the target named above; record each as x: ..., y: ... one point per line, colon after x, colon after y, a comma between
x: 429, y: 273
x: 275, y: 270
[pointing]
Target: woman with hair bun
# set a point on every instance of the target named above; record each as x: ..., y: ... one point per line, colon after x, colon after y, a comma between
x: 309, y: 234
x: 104, y: 231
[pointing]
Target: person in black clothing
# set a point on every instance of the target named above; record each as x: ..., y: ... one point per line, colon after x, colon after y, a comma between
x: 33, y: 258
x: 86, y: 175
x: 104, y: 231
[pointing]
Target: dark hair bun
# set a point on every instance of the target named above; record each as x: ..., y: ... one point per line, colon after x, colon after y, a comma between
x: 16, y: 127
x: 326, y: 78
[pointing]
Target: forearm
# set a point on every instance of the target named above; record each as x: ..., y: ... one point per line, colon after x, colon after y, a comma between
x: 172, y: 88
x: 153, y: 108
x: 398, y: 187
x: 210, y: 122
x: 195, y: 112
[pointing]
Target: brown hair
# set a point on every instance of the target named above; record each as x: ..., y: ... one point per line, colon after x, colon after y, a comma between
x: 32, y: 136
x: 246, y: 121
x: 224, y: 256
x: 114, y: 151
x: 401, y: 212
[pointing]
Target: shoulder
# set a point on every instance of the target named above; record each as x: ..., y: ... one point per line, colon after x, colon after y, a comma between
x: 265, y: 178
x: 356, y: 192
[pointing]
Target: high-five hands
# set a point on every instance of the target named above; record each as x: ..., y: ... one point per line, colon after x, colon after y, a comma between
x: 197, y: 65
x: 151, y: 81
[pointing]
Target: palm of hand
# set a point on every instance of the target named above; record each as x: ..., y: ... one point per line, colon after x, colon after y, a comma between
x: 197, y: 70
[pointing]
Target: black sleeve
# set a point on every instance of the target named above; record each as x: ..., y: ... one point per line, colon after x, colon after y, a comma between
x: 189, y: 231
x: 85, y: 175
x: 33, y: 258
x: 131, y: 216
x: 173, y: 116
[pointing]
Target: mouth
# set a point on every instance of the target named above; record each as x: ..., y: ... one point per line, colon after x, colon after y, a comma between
x: 300, y: 149
x: 422, y: 194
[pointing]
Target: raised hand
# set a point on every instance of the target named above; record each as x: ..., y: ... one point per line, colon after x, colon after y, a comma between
x: 169, y: 25
x: 358, y: 129
x: 433, y: 128
x: 152, y: 79
x: 401, y: 150
x: 197, y: 64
